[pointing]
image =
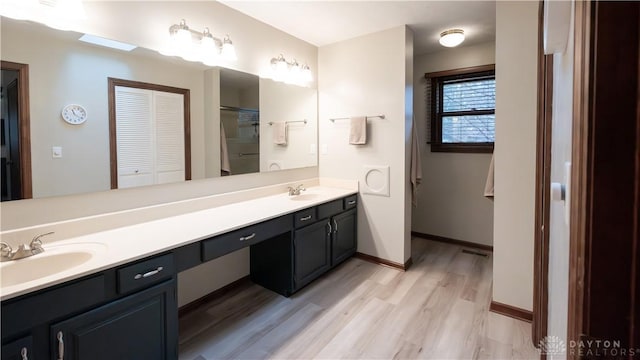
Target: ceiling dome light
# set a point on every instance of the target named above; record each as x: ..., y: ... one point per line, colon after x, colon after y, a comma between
x: 452, y: 38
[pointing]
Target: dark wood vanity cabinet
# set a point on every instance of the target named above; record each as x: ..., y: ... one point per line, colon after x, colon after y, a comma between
x: 18, y: 350
x: 139, y: 326
x: 324, y: 236
x: 343, y: 239
x: 312, y: 253
x: 129, y: 312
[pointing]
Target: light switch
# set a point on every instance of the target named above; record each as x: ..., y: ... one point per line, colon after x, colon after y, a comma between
x: 313, y: 148
x: 56, y: 152
x: 324, y: 149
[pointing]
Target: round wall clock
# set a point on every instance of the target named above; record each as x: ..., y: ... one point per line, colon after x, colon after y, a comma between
x: 74, y: 114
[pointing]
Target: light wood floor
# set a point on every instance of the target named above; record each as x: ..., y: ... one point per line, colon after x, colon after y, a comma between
x: 438, y: 309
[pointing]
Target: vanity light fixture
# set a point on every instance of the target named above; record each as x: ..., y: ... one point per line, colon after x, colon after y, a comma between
x: 452, y: 38
x: 57, y: 14
x: 290, y: 72
x: 202, y: 46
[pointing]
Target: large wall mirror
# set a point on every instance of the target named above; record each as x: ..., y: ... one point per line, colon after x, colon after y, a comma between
x: 236, y: 120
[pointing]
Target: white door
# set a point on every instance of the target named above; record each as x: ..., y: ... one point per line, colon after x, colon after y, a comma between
x: 149, y: 137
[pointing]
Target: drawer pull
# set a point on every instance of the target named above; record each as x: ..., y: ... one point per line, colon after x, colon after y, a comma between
x: 60, y: 346
x: 352, y: 202
x: 330, y: 229
x: 336, y: 225
x: 306, y: 218
x: 23, y: 353
x: 248, y: 237
x: 148, y: 274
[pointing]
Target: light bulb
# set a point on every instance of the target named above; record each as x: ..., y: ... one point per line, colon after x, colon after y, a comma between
x: 228, y: 50
x: 18, y: 9
x: 452, y: 38
x: 64, y: 15
x: 307, y: 76
x: 209, y: 49
x: 295, y: 73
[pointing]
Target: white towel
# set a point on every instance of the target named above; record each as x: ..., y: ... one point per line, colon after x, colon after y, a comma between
x: 225, y: 166
x: 358, y: 134
x: 416, y: 163
x: 280, y: 133
x: 488, y: 186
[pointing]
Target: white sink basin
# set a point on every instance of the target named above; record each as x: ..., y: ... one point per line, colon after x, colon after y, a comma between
x: 303, y: 197
x: 54, y: 259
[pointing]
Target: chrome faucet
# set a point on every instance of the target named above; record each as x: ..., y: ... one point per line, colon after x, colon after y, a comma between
x: 296, y: 191
x: 23, y: 251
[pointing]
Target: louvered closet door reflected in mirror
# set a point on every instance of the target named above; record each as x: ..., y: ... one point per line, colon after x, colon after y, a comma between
x: 149, y: 134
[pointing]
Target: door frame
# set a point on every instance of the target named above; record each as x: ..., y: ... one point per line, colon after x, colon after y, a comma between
x: 113, y: 149
x: 604, y: 286
x: 542, y: 188
x: 25, y: 126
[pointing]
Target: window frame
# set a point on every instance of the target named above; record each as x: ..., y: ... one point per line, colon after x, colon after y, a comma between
x: 437, y: 80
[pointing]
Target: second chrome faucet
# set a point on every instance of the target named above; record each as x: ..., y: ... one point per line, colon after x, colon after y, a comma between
x: 296, y: 190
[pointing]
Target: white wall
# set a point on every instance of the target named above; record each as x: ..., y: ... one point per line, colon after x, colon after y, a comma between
x: 356, y: 78
x: 515, y: 152
x: 302, y: 143
x: 560, y: 153
x: 146, y: 24
x: 450, y: 199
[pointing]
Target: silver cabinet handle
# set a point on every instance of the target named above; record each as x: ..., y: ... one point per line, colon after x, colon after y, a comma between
x: 23, y: 353
x: 147, y: 274
x: 330, y: 228
x: 306, y: 218
x: 60, y: 346
x: 351, y: 202
x: 248, y: 237
x: 336, y: 225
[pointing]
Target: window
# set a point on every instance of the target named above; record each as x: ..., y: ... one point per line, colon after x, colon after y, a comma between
x: 463, y: 106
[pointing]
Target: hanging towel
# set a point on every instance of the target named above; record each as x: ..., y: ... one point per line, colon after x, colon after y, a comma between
x: 358, y: 134
x: 225, y: 166
x: 416, y: 163
x: 280, y: 133
x: 488, y: 186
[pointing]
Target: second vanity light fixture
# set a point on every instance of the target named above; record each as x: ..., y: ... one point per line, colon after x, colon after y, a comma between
x: 193, y: 45
x: 290, y: 72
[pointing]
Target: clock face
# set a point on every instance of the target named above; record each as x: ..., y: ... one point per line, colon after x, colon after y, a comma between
x: 74, y: 114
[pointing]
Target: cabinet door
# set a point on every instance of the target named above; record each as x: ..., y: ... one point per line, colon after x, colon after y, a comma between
x: 344, y: 241
x: 140, y: 326
x: 312, y: 252
x: 21, y: 349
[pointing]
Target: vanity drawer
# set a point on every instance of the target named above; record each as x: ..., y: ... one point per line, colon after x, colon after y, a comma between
x: 31, y: 310
x: 305, y: 217
x: 329, y: 209
x: 145, y: 273
x: 350, y: 202
x: 238, y: 239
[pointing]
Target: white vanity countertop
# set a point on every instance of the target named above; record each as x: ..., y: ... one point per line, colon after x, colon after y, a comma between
x: 125, y: 244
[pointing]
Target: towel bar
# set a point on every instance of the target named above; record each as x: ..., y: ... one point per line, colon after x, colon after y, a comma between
x: 289, y: 122
x: 347, y: 118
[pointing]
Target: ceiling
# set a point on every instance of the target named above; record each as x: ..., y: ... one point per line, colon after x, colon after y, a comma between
x: 325, y: 22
